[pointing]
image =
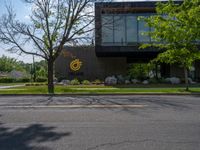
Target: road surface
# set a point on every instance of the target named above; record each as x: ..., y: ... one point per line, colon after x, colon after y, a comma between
x: 159, y: 123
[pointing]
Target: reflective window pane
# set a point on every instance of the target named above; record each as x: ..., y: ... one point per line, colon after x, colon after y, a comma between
x: 143, y: 28
x: 124, y: 29
x: 119, y: 30
x: 131, y: 29
x: 107, y: 29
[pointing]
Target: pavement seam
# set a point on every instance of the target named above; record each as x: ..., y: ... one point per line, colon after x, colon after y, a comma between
x: 75, y: 106
x: 107, y: 94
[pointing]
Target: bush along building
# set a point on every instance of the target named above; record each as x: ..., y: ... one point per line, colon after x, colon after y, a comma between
x: 118, y: 35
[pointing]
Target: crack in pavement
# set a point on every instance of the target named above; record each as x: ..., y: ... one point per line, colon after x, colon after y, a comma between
x: 73, y: 106
x: 138, y: 141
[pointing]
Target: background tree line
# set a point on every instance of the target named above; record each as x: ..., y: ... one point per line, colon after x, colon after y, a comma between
x: 37, y: 69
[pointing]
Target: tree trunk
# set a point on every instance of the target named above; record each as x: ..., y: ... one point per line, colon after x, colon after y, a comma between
x: 50, y: 77
x: 156, y: 71
x: 186, y: 79
x: 34, y: 70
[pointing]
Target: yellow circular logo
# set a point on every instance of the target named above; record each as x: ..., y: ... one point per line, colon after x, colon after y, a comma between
x: 75, y: 65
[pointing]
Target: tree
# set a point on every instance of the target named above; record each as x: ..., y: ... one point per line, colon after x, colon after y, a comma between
x: 53, y: 24
x: 176, y: 32
x: 41, y: 69
x: 8, y: 64
x: 138, y: 71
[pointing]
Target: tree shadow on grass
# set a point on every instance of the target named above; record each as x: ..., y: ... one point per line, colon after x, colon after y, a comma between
x: 24, y: 138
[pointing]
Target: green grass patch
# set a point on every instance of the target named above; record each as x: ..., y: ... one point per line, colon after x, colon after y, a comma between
x: 10, y: 84
x: 98, y: 89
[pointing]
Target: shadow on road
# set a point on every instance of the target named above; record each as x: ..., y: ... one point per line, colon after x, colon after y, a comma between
x: 24, y: 138
x: 176, y: 105
x: 154, y: 101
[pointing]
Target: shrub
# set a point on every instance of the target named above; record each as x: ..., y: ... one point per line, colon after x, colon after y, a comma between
x: 23, y: 80
x: 138, y: 71
x: 74, y: 82
x: 97, y: 81
x: 7, y: 80
x: 38, y: 84
x: 40, y: 79
x: 29, y: 84
x: 153, y: 80
x: 85, y: 82
x: 165, y: 81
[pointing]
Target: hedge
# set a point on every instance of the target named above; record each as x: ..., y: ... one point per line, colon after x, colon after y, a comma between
x: 7, y: 80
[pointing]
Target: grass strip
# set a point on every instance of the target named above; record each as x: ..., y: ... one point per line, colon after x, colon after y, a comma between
x: 96, y: 90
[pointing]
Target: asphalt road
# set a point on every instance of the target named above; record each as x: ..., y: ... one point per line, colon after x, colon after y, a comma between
x: 160, y: 123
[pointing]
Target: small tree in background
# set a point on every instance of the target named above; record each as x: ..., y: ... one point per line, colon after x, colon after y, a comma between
x: 53, y: 24
x: 8, y: 64
x: 176, y: 32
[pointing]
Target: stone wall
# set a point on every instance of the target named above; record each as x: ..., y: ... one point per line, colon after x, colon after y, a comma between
x: 91, y: 67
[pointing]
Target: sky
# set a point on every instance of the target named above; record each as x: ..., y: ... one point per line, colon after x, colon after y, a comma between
x: 23, y: 12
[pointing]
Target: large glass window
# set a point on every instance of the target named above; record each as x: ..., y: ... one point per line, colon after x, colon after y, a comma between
x: 107, y: 29
x: 124, y: 29
x: 131, y: 29
x: 119, y: 30
x: 143, y: 28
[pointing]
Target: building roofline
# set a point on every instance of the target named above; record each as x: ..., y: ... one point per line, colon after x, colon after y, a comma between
x: 134, y: 2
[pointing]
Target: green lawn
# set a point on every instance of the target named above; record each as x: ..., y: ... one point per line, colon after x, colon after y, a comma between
x: 10, y: 84
x: 99, y: 89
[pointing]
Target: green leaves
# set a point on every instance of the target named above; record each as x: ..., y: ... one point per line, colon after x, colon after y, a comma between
x: 8, y: 64
x: 178, y: 27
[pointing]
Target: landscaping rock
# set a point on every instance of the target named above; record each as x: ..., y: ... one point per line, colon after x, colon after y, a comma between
x: 191, y: 81
x: 173, y: 80
x: 120, y: 79
x: 167, y: 80
x: 65, y: 82
x: 127, y: 82
x: 55, y: 80
x: 145, y: 82
x: 111, y: 80
x: 134, y: 81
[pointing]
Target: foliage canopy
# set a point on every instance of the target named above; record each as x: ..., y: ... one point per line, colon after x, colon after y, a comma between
x: 176, y: 32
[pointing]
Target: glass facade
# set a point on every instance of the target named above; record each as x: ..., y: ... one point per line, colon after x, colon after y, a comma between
x: 124, y: 29
x: 131, y: 30
x: 107, y: 29
x: 119, y: 30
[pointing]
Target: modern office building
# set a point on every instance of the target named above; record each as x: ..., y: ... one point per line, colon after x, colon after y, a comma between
x: 119, y: 32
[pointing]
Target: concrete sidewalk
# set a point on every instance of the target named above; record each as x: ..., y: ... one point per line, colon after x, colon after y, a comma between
x: 11, y: 86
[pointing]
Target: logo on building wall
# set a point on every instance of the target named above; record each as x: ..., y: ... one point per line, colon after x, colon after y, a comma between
x: 75, y: 65
x: 68, y: 54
